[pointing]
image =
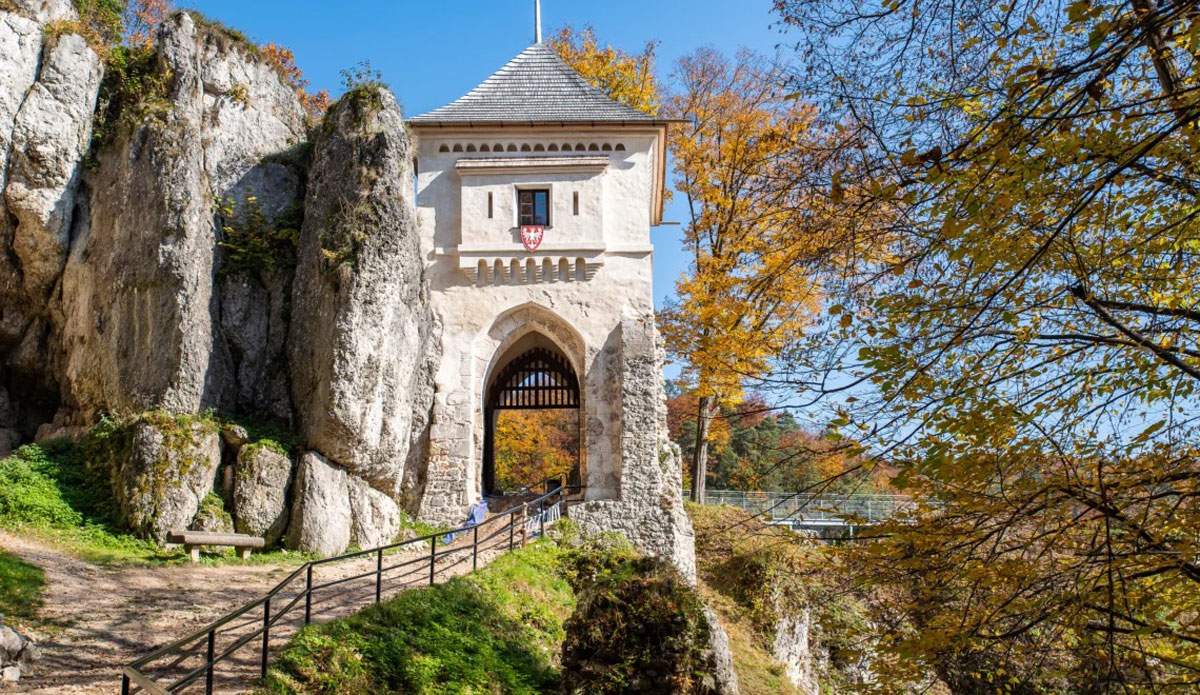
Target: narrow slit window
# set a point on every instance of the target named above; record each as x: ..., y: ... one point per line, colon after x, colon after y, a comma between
x: 533, y: 207
x: 489, y: 206
x: 575, y: 202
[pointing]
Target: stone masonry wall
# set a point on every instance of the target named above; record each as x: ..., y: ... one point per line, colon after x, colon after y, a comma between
x: 650, y: 509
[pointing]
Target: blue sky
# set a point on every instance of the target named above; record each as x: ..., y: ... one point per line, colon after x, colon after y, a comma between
x: 433, y: 52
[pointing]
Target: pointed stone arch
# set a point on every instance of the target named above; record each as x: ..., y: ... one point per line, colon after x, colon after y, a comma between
x: 523, y: 333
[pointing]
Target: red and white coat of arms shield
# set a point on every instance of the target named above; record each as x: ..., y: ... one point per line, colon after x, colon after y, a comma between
x: 531, y: 236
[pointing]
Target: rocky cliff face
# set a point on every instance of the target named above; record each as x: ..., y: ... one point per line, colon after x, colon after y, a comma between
x: 361, y: 319
x: 47, y: 91
x: 149, y: 261
x: 142, y: 313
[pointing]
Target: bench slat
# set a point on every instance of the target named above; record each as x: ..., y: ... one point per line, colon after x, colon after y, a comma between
x: 237, y: 540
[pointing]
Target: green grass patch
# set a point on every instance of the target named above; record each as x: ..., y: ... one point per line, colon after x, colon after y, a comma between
x: 20, y: 588
x: 498, y: 630
x: 48, y: 492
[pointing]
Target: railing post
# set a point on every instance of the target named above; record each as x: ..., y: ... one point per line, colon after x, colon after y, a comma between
x: 379, y: 575
x: 266, y: 645
x: 542, y: 519
x: 432, y: 557
x: 512, y: 525
x: 475, y: 549
x: 209, y: 656
x: 308, y: 596
x: 124, y: 684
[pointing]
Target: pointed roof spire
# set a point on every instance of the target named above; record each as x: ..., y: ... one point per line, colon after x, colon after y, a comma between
x: 537, y: 21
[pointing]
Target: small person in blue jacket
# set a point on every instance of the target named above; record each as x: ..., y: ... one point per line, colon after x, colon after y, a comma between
x: 476, y: 516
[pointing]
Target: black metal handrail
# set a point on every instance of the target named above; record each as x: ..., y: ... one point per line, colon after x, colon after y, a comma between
x: 134, y: 677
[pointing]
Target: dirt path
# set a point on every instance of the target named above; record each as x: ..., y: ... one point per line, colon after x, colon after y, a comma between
x: 99, y: 618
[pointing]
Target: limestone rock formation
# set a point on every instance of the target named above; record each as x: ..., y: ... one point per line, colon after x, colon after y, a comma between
x: 120, y: 289
x: 21, y: 38
x: 374, y: 517
x: 320, y: 521
x: 261, y: 480
x: 360, y: 319
x: 27, y: 353
x: 721, y: 657
x: 254, y: 325
x: 50, y: 138
x: 17, y: 654
x: 139, y: 299
x: 168, y: 468
x: 793, y: 648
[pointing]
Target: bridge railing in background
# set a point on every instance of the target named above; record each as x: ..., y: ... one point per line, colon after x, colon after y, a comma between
x: 815, y: 509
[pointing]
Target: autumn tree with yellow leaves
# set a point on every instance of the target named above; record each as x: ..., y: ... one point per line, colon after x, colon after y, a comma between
x: 752, y: 230
x: 534, y: 445
x: 625, y: 77
x: 1027, y: 349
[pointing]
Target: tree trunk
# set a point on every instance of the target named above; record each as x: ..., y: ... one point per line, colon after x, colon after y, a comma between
x: 700, y: 452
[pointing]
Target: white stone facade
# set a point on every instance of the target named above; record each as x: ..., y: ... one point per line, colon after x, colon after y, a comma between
x: 581, y: 294
x: 592, y: 269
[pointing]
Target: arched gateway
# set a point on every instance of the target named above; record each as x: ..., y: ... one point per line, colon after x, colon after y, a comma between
x: 536, y: 194
x: 539, y: 378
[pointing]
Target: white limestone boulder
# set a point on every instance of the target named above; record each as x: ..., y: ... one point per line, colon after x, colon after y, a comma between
x: 169, y: 467
x: 360, y: 332
x: 21, y: 39
x: 320, y: 519
x: 261, y: 480
x: 50, y: 138
x: 375, y: 518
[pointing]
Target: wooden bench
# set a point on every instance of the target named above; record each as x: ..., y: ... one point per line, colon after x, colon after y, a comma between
x: 192, y: 540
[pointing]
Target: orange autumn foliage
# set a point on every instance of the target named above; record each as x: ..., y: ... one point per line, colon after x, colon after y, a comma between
x: 626, y: 78
x: 284, y: 62
x: 142, y: 20
x: 532, y: 445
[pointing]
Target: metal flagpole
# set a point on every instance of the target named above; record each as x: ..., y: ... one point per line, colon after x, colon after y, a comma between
x: 537, y: 21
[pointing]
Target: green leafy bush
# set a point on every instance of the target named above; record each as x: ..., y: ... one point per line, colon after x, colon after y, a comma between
x: 103, y: 17
x: 134, y: 91
x: 253, y: 243
x: 362, y: 76
x: 49, y: 490
x: 638, y: 627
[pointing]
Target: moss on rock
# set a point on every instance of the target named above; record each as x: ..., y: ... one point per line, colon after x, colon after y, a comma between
x: 160, y: 467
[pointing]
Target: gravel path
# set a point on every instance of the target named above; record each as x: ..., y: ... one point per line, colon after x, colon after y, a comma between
x: 98, y: 618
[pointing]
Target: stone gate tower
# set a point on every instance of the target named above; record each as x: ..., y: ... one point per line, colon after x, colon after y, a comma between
x: 535, y: 196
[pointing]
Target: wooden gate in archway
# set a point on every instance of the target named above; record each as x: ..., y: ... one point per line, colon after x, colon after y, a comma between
x: 537, y: 379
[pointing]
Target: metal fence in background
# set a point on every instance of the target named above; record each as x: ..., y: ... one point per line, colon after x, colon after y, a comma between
x: 823, y: 509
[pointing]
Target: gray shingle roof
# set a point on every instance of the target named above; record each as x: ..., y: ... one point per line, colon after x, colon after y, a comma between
x: 534, y: 87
